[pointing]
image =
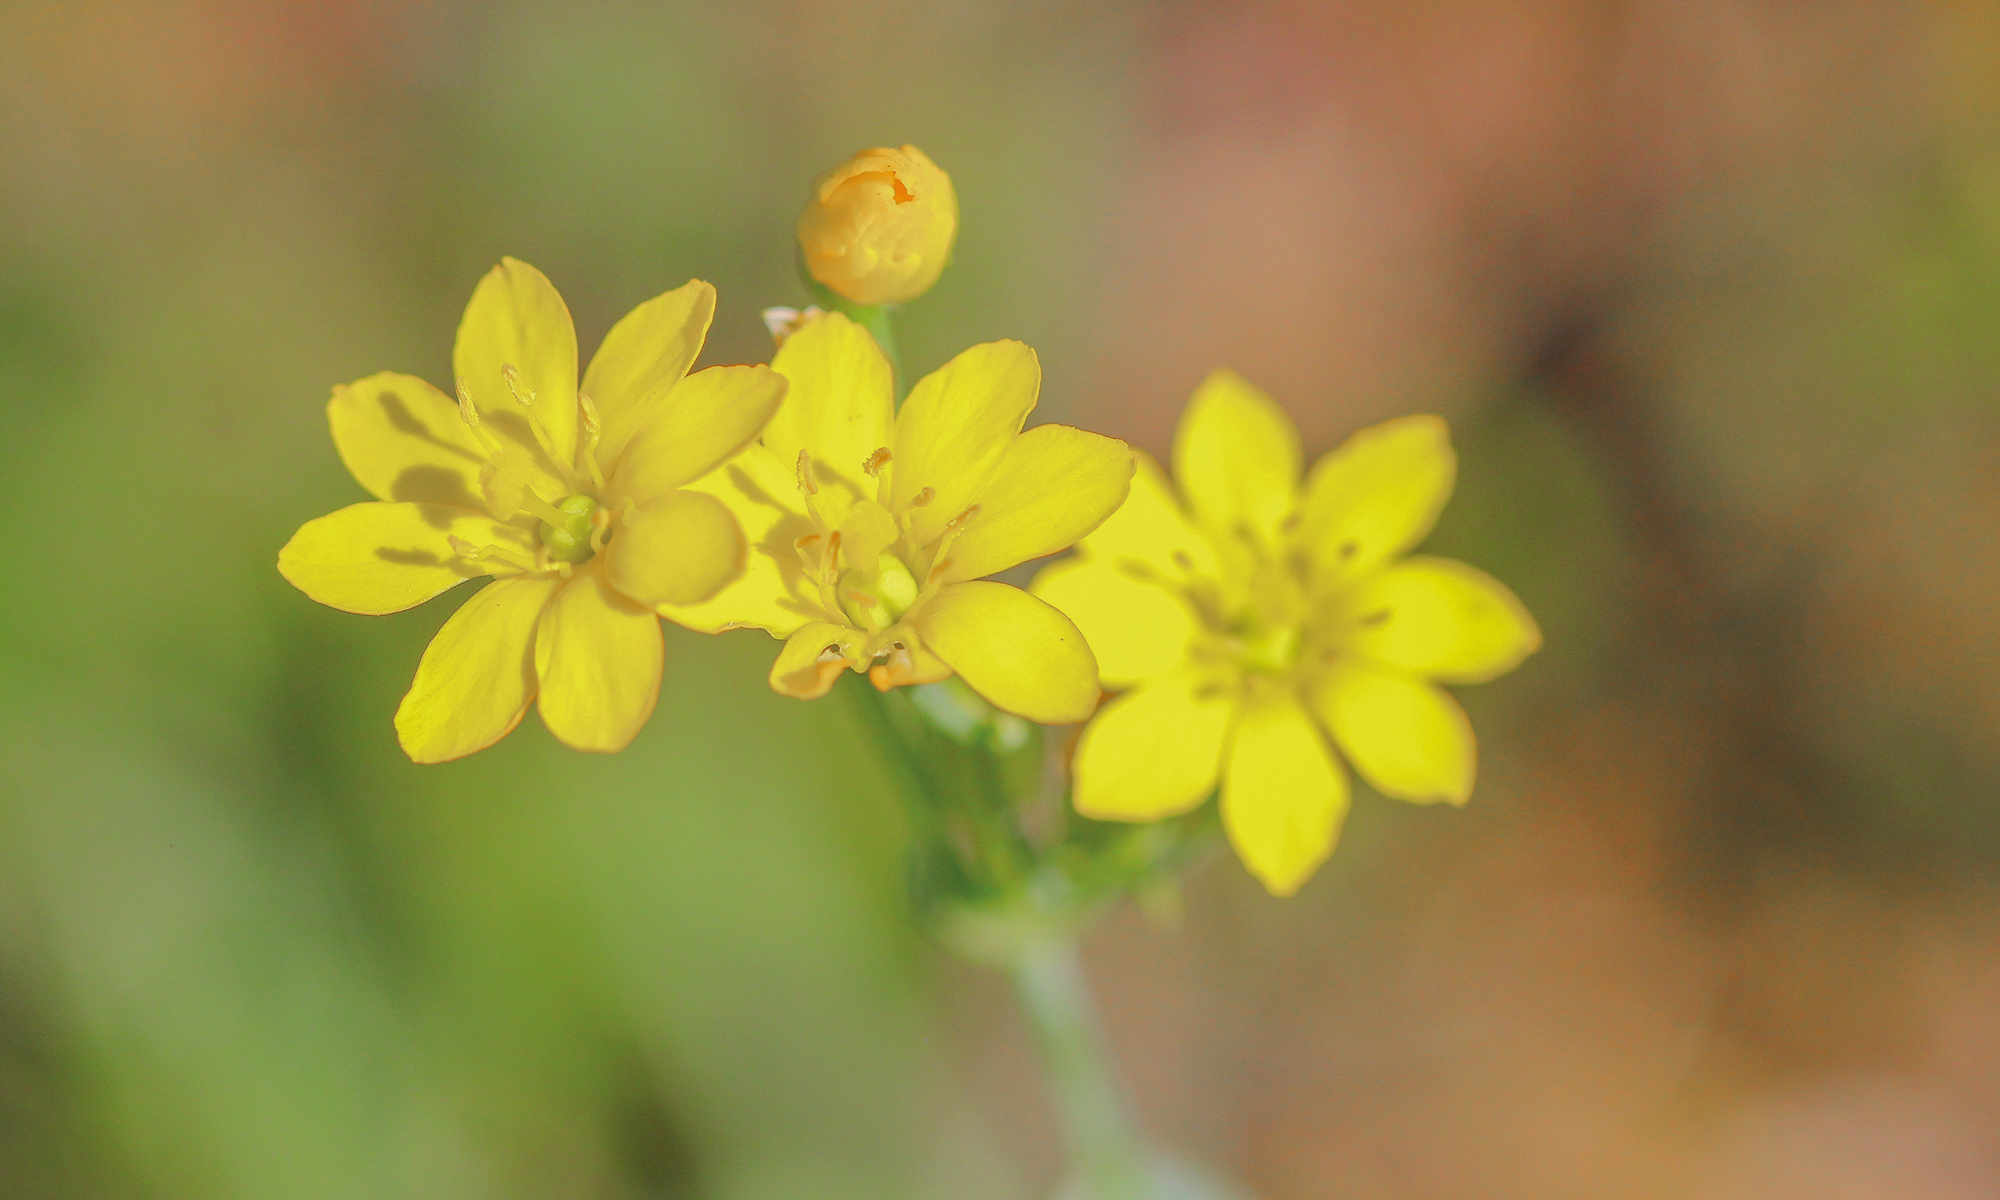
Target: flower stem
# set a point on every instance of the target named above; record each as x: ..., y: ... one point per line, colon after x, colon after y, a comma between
x: 1104, y: 1150
x: 878, y: 321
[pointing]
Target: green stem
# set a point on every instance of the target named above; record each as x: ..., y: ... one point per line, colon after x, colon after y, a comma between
x: 876, y: 319
x: 1104, y: 1149
x: 942, y: 773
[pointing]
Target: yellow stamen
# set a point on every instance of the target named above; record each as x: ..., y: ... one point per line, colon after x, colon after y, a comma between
x: 600, y: 526
x: 873, y: 464
x: 475, y: 554
x: 829, y: 573
x: 469, y: 413
x: 941, y: 560
x: 593, y: 432
x: 542, y: 509
x: 804, y: 547
x: 542, y: 438
x: 809, y: 487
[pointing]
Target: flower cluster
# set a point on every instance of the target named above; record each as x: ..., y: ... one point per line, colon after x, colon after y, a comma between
x: 1257, y: 624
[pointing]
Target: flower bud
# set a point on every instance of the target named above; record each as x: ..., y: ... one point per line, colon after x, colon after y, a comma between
x: 879, y: 227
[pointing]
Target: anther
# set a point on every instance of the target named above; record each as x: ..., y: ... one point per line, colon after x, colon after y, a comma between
x: 922, y: 498
x: 962, y: 518
x: 807, y: 482
x: 469, y: 413
x: 513, y: 378
x: 873, y: 464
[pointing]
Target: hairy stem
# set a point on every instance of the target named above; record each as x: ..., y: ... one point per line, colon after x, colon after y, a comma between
x: 1104, y: 1149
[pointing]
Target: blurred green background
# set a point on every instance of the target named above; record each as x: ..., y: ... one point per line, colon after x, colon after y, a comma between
x: 1710, y: 290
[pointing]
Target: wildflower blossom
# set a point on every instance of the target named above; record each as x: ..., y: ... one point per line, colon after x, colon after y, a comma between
x: 571, y: 500
x: 1262, y: 619
x: 879, y: 227
x: 870, y: 531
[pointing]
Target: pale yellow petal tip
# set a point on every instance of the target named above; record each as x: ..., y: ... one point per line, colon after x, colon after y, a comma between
x: 1529, y: 630
x: 1224, y: 386
x: 612, y: 745
x: 427, y: 743
x: 1413, y: 423
x: 1112, y: 805
x: 1285, y: 866
x: 1428, y: 435
x: 1286, y: 884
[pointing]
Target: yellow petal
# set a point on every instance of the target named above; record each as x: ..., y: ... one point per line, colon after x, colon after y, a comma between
x: 1151, y: 530
x: 1377, y: 495
x: 695, y: 427
x: 1407, y: 737
x: 840, y: 404
x: 678, y: 549
x: 1153, y: 752
x: 598, y: 657
x: 649, y: 349
x: 1137, y: 630
x: 773, y: 592
x: 953, y: 429
x: 1015, y: 650
x: 1442, y: 618
x: 380, y: 558
x: 812, y: 659
x: 404, y: 440
x: 516, y: 319
x: 1052, y: 486
x: 478, y: 674
x: 1236, y: 455
x: 1283, y: 795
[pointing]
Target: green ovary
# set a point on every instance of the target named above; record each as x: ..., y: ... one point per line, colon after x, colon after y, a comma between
x: 570, y: 541
x: 1271, y: 651
x: 873, y: 600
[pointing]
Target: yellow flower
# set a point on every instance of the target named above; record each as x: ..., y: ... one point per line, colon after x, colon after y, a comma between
x: 572, y: 500
x: 870, y: 530
x: 1262, y: 619
x: 879, y: 227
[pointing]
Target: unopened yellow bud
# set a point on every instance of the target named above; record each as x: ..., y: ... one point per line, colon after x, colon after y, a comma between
x: 879, y: 227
